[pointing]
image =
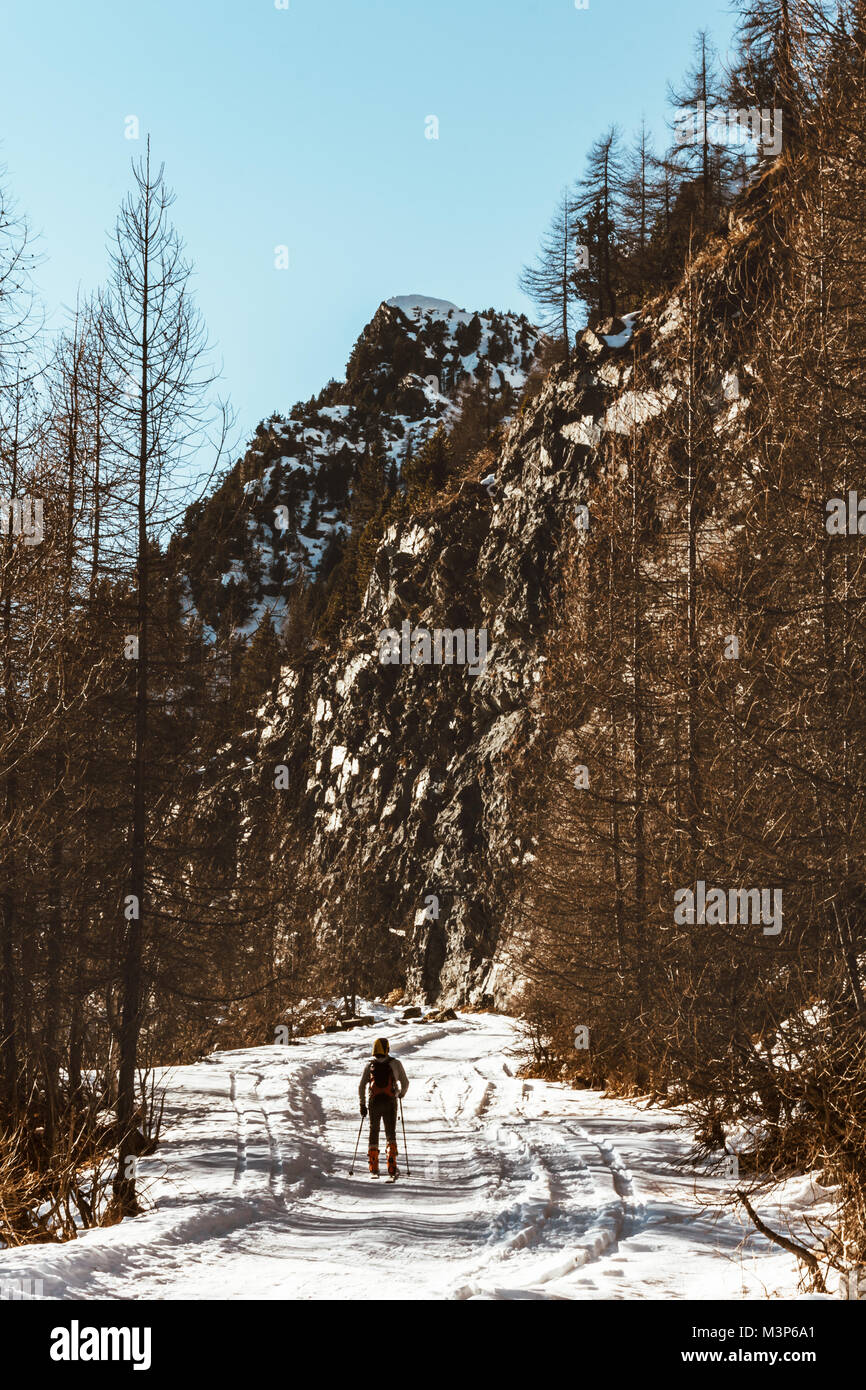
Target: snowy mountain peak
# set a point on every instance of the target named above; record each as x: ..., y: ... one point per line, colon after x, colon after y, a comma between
x: 284, y: 509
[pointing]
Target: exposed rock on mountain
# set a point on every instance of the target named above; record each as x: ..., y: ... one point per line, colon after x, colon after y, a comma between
x: 282, y: 510
x: 405, y: 773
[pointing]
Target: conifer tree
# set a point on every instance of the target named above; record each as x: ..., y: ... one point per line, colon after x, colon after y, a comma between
x: 259, y: 668
x: 701, y: 148
x: 429, y: 469
x: 598, y: 205
x: 773, y: 37
x: 550, y: 282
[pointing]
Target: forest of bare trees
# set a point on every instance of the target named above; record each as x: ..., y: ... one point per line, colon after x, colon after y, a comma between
x: 704, y: 707
x: 121, y: 926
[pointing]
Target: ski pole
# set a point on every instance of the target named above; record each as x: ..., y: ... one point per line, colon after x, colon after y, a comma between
x: 405, y: 1150
x: 357, y: 1142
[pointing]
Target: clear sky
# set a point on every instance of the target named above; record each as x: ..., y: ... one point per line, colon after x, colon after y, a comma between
x: 305, y: 127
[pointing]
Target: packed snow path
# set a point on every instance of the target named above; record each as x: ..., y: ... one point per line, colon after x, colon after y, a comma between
x: 518, y: 1188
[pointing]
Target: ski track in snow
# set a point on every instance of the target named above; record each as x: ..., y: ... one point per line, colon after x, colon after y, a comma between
x: 518, y: 1189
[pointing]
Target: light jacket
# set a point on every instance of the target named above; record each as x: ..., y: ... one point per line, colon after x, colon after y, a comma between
x: 401, y: 1081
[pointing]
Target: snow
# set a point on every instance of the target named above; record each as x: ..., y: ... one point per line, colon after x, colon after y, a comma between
x: 407, y: 302
x: 619, y: 340
x: 519, y: 1189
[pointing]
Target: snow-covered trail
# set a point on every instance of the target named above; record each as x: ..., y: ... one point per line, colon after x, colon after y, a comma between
x: 518, y: 1189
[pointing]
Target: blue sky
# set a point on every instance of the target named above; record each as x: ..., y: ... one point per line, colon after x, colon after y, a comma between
x: 305, y: 127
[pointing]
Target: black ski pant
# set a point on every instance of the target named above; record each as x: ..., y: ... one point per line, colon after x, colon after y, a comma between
x: 383, y: 1109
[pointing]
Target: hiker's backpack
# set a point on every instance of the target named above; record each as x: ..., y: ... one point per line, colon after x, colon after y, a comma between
x: 381, y: 1078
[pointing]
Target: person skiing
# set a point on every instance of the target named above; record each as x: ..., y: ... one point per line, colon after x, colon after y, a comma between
x: 387, y: 1082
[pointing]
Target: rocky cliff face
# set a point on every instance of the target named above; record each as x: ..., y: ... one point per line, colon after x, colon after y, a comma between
x: 405, y: 778
x: 415, y: 761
